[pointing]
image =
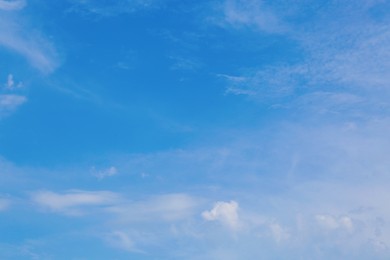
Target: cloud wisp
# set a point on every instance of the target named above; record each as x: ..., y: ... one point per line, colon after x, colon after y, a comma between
x: 19, y: 37
x: 105, y: 9
x: 225, y: 212
x: 73, y: 202
x: 9, y: 102
x: 105, y: 173
x: 4, y: 204
x: 12, y: 5
x: 344, y: 48
x: 241, y: 13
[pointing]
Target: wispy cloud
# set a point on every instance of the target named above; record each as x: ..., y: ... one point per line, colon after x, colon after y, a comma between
x: 225, y: 212
x: 164, y: 207
x: 105, y: 9
x: 20, y: 38
x: 4, y: 204
x: 331, y: 222
x: 121, y: 240
x: 9, y: 102
x: 12, y: 5
x: 250, y: 13
x: 73, y: 202
x: 344, y: 51
x: 101, y: 174
x: 10, y: 84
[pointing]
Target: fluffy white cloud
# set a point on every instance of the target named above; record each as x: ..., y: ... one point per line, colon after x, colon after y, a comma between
x: 225, y: 212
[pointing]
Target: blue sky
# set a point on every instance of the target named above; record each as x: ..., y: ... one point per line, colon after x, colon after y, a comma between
x: 222, y: 129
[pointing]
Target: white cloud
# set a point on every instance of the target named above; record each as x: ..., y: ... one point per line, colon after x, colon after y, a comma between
x: 10, y: 84
x: 9, y: 5
x: 278, y: 232
x: 10, y: 81
x: 109, y: 172
x: 344, y: 52
x: 267, y: 84
x: 332, y: 223
x: 20, y: 38
x: 10, y: 102
x: 104, y: 8
x: 121, y: 240
x: 251, y: 13
x: 225, y: 212
x: 74, y: 202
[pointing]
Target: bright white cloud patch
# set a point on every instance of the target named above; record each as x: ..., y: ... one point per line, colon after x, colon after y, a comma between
x: 225, y: 212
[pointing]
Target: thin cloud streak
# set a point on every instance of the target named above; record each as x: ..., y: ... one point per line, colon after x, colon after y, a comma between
x: 34, y: 47
x: 104, y: 9
x: 73, y: 202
